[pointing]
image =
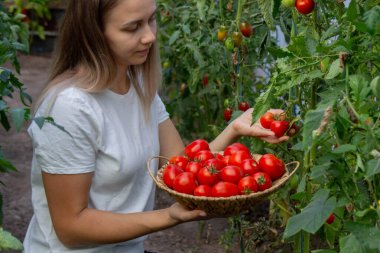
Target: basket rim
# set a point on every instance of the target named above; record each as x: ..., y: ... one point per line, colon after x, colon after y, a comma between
x: 275, y: 185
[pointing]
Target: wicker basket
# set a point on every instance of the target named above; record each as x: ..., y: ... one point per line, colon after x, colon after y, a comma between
x: 217, y: 207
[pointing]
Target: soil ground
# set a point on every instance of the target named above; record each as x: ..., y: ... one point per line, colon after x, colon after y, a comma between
x: 17, y: 193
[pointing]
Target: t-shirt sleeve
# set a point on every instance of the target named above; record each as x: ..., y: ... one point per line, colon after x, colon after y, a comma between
x: 73, y: 150
x: 161, y: 109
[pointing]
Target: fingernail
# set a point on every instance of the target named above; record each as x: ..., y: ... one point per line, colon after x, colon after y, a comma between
x: 203, y: 214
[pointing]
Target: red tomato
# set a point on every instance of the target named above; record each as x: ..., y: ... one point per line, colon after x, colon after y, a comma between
x: 227, y: 114
x: 330, y: 219
x: 193, y: 148
x: 224, y: 189
x: 272, y: 165
x: 181, y: 161
x: 208, y: 176
x: 305, y: 6
x: 185, y: 183
x: 226, y: 158
x: 246, y: 29
x: 263, y: 180
x: 203, y: 190
x: 235, y: 147
x: 170, y: 172
x: 193, y: 167
x: 203, y: 156
x: 243, y: 106
x: 231, y: 174
x: 247, y: 185
x: 266, y: 119
x: 205, y: 80
x: 238, y: 158
x: 214, y: 163
x: 279, y: 127
x: 249, y: 166
x: 219, y: 156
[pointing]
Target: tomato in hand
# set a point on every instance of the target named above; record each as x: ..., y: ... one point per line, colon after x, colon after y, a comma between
x: 263, y: 180
x: 181, y: 161
x: 279, y: 127
x: 193, y: 167
x: 224, y: 189
x: 249, y: 166
x: 203, y: 156
x: 208, y: 176
x: 235, y: 147
x: 194, y: 147
x: 267, y: 119
x: 246, y: 29
x: 247, y: 185
x: 272, y: 165
x: 305, y: 6
x: 170, y: 172
x: 227, y: 114
x: 330, y: 219
x: 203, y: 190
x: 185, y: 183
x: 222, y: 33
x: 238, y: 158
x: 243, y: 106
x: 231, y: 174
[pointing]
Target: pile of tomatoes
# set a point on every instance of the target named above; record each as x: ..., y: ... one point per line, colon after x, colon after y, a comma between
x: 232, y: 172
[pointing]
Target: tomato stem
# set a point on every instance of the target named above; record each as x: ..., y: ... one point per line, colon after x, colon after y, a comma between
x: 238, y: 14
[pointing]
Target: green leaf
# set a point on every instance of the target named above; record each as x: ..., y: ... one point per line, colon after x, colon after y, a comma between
x: 344, y: 149
x: 313, y: 216
x: 18, y: 117
x: 263, y: 104
x: 359, y: 86
x: 335, y: 70
x: 372, y: 167
x: 375, y: 86
x: 372, y: 20
x: 266, y: 8
x: 9, y: 242
x: 352, y: 13
x: 349, y: 244
x: 368, y: 236
x: 174, y: 37
x: 6, y: 166
x: 313, y: 120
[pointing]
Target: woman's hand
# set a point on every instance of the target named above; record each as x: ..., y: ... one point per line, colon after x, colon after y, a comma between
x: 180, y: 214
x: 242, y: 126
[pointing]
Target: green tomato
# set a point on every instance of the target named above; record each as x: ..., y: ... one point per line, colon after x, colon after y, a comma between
x: 229, y: 43
x: 325, y: 64
x: 288, y: 3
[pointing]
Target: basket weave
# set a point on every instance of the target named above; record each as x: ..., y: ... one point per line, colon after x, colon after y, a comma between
x: 221, y: 206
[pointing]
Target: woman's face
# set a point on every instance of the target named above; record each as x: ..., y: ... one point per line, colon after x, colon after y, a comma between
x: 130, y: 29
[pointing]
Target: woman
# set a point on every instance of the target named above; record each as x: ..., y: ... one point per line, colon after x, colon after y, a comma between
x: 90, y: 188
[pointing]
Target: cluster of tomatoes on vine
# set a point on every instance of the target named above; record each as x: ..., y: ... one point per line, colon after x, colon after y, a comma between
x: 228, y: 111
x: 279, y: 124
x: 303, y: 6
x: 232, y: 172
x: 236, y: 37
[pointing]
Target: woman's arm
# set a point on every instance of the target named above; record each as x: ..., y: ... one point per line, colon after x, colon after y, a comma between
x: 77, y: 225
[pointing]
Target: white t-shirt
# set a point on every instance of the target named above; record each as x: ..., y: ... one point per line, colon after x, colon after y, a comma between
x: 108, y: 136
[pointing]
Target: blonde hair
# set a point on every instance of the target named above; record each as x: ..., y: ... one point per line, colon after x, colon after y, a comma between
x: 81, y: 45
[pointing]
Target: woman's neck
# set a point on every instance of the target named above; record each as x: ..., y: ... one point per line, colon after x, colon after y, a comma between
x: 121, y: 83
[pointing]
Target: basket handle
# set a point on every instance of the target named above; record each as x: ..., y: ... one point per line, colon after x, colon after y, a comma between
x: 297, y: 164
x: 150, y: 170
